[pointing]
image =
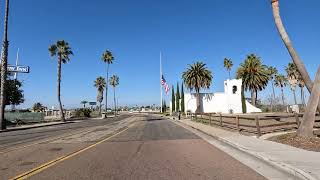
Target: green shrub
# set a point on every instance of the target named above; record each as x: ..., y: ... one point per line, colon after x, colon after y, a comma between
x: 82, y: 112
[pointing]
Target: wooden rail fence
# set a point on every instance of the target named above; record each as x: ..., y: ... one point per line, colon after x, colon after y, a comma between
x: 257, y: 124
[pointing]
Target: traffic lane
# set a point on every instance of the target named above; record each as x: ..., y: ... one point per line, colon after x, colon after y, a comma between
x: 23, y: 137
x: 24, y: 159
x: 152, y: 149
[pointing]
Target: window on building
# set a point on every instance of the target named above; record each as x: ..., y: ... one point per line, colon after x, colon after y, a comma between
x: 234, y: 89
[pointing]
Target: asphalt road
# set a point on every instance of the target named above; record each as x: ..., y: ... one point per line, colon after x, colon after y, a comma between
x: 24, y: 137
x: 152, y: 148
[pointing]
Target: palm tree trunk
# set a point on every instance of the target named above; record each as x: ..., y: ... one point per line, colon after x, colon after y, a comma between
x: 114, y: 99
x: 253, y: 97
x: 306, y: 126
x: 4, y: 61
x: 106, y: 108
x: 294, y: 55
x: 229, y: 75
x: 303, y: 102
x: 100, y: 109
x: 282, y: 96
x: 273, y: 97
x: 198, y: 101
x: 59, y: 88
x: 294, y: 96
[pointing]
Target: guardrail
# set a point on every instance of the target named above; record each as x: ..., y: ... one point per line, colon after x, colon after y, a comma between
x: 253, y: 123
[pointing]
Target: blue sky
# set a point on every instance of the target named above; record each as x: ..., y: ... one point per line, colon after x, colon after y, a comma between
x: 136, y: 31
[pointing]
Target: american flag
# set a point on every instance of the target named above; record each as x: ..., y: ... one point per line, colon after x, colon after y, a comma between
x: 164, y: 84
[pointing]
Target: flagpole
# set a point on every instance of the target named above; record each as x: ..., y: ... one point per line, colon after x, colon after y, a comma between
x: 160, y: 83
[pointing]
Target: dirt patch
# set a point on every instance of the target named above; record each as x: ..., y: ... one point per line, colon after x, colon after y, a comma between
x: 310, y: 144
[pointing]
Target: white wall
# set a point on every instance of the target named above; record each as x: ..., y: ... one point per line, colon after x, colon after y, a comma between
x: 221, y: 102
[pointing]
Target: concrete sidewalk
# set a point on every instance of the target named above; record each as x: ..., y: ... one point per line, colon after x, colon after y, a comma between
x: 300, y: 163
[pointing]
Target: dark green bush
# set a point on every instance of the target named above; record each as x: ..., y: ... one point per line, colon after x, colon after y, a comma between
x: 83, y: 112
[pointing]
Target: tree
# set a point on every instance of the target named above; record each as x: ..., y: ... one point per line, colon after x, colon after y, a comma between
x: 272, y: 72
x: 38, y: 107
x: 287, y: 42
x: 164, y: 106
x: 173, y: 100
x: 178, y: 98
x: 306, y: 126
x: 301, y: 67
x: 197, y: 76
x: 84, y: 102
x: 255, y: 76
x: 182, y: 99
x: 108, y: 58
x: 4, y: 65
x: 62, y: 50
x: 292, y: 76
x: 281, y: 81
x: 114, y: 82
x: 227, y: 63
x: 243, y: 100
x: 100, y: 84
x: 301, y: 84
x: 14, y: 95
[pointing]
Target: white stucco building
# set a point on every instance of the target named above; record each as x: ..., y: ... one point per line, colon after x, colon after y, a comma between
x: 228, y: 101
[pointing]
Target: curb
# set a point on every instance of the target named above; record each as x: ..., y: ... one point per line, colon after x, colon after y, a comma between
x: 282, y: 166
x: 33, y: 127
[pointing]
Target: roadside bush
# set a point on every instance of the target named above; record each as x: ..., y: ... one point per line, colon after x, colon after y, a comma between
x: 82, y: 112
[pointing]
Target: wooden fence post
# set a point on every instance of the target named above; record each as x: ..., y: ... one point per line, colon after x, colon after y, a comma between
x: 220, y: 119
x: 210, y: 119
x: 237, y: 122
x: 201, y: 120
x: 258, y: 126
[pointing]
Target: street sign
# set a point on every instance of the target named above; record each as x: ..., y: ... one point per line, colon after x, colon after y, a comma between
x: 19, y: 69
x: 92, y: 103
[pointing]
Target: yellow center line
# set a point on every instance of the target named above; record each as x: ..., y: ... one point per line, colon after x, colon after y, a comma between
x: 62, y: 158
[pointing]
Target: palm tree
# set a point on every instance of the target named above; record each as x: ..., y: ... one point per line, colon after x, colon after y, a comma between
x: 272, y: 72
x: 84, y: 102
x: 114, y: 82
x: 286, y: 40
x: 281, y: 81
x: 301, y: 84
x: 197, y: 76
x: 254, y: 75
x: 4, y: 65
x: 100, y: 84
x: 62, y: 50
x: 108, y: 58
x: 292, y: 76
x: 227, y: 63
x: 305, y: 128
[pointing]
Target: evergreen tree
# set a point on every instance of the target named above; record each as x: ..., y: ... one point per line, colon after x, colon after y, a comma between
x: 162, y: 108
x: 178, y: 98
x: 182, y: 98
x: 173, y: 100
